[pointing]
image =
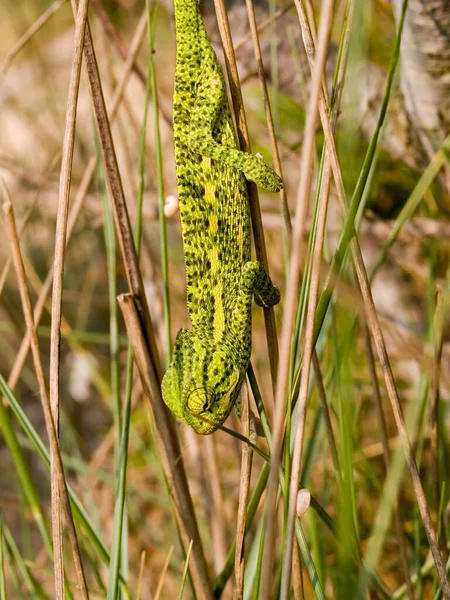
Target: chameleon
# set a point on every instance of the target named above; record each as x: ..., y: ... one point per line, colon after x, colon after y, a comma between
x: 204, y: 379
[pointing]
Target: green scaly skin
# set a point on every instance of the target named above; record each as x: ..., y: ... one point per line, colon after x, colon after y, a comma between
x: 210, y: 361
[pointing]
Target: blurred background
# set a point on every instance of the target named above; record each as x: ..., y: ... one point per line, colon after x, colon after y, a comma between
x: 407, y: 203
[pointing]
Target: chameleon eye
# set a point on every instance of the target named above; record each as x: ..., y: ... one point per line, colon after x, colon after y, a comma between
x: 200, y: 400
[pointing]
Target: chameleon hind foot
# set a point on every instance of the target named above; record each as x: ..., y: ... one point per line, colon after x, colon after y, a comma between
x: 255, y: 278
x: 256, y: 169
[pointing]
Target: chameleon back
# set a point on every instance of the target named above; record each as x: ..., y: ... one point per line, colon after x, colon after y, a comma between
x: 212, y: 196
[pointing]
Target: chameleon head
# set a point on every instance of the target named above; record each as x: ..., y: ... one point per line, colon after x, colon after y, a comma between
x: 202, y: 383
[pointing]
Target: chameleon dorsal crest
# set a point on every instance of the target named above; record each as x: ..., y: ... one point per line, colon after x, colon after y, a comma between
x: 204, y: 380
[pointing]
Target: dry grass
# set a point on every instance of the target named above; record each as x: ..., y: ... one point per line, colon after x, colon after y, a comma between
x: 150, y: 509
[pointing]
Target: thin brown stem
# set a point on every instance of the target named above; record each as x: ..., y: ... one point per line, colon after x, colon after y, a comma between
x: 121, y: 48
x: 141, y: 576
x: 264, y: 24
x: 25, y: 38
x: 326, y: 413
x: 297, y: 575
x: 324, y: 29
x: 58, y: 479
x: 60, y: 246
x: 120, y: 210
x: 217, y: 509
x: 376, y: 332
x: 297, y: 254
x: 79, y: 200
x: 163, y: 573
x: 21, y: 228
x: 138, y: 308
x: 439, y: 326
x: 385, y: 443
x: 268, y: 113
x: 169, y: 447
x: 244, y: 488
x: 244, y: 142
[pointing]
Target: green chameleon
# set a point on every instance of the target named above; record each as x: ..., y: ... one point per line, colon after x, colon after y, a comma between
x: 209, y: 363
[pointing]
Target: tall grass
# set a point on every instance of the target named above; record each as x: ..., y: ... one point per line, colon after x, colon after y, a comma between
x: 337, y: 489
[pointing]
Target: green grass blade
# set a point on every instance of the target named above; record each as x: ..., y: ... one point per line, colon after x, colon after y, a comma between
x: 185, y: 572
x: 33, y: 587
x: 413, y: 201
x: 23, y: 472
x: 41, y: 449
x: 2, y: 567
x: 151, y: 76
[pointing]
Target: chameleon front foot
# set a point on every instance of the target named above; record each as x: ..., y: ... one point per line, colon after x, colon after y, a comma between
x: 256, y: 279
x: 256, y: 169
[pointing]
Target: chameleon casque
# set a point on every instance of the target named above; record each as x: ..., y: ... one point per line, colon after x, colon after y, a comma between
x: 209, y: 363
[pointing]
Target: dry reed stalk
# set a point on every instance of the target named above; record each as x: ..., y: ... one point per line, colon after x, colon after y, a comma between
x: 141, y: 576
x: 163, y: 573
x: 21, y: 228
x: 439, y: 326
x: 218, y: 519
x: 297, y: 575
x: 291, y: 296
x: 25, y: 38
x: 120, y: 46
x: 244, y: 489
x: 168, y: 446
x: 375, y: 328
x: 79, y: 200
x: 264, y: 24
x: 46, y: 286
x: 385, y: 444
x: 309, y: 353
x: 244, y: 143
x: 27, y: 215
x: 59, y: 478
x: 324, y: 29
x: 165, y: 429
x: 120, y: 211
x: 268, y: 113
x: 326, y: 413
x: 59, y: 257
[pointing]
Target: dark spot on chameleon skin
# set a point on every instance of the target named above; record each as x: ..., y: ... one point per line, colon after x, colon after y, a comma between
x: 208, y: 264
x: 206, y: 223
x: 219, y: 223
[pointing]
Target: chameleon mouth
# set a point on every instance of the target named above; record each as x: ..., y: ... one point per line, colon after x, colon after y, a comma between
x: 200, y: 400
